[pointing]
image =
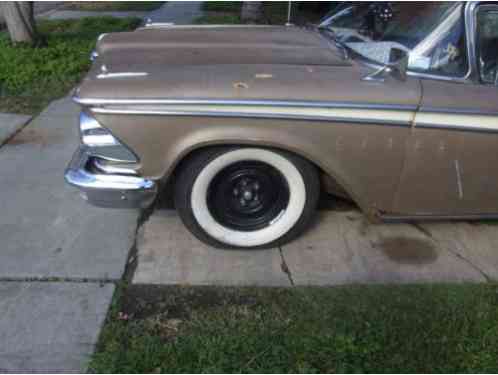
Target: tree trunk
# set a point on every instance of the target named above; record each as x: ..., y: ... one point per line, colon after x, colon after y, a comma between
x: 251, y: 11
x: 20, y: 21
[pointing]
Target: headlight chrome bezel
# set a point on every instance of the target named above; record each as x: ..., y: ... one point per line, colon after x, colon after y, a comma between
x: 100, y: 142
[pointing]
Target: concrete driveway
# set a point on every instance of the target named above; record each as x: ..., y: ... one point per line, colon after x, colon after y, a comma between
x: 340, y: 248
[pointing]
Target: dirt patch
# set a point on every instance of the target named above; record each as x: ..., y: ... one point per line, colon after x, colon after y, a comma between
x: 35, y: 136
x: 177, y: 302
x: 408, y: 250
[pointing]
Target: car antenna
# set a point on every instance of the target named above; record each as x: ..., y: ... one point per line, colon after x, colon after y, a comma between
x: 289, y: 8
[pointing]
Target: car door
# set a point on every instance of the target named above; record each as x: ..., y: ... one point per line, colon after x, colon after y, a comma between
x: 451, y: 164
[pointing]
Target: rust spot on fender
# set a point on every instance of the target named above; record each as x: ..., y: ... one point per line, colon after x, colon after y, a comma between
x: 240, y: 85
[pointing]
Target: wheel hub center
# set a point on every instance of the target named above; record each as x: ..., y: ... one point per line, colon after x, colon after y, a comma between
x: 248, y: 195
x: 247, y: 191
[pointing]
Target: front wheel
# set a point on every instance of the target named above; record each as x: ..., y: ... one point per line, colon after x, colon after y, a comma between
x: 246, y: 197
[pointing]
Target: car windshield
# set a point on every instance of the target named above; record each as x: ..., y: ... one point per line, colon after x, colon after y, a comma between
x: 432, y: 33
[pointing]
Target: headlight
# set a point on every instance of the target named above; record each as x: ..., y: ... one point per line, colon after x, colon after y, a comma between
x: 101, y: 143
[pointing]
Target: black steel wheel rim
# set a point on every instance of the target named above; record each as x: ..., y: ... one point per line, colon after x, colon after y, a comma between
x: 247, y: 195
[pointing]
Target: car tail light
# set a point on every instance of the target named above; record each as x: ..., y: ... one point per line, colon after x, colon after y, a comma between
x: 101, y: 143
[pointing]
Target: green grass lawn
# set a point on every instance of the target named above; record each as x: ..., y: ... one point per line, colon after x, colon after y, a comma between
x: 424, y: 328
x: 113, y: 5
x: 32, y: 77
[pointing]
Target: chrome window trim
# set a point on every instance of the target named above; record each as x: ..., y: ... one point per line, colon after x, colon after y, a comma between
x: 471, y: 30
x: 431, y: 40
x: 469, y: 14
x: 485, y: 7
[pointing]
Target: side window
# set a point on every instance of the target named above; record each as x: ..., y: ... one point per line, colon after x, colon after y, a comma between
x: 446, y: 58
x: 487, y: 44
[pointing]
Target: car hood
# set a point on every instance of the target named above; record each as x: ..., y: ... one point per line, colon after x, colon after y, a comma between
x: 230, y: 62
x: 207, y: 45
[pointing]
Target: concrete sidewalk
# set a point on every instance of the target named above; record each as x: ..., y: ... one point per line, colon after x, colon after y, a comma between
x: 178, y: 12
x: 76, y: 14
x: 340, y: 248
x: 59, y: 256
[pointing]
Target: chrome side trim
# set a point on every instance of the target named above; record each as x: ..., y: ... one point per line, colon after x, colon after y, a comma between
x: 467, y: 122
x: 461, y: 111
x: 458, y: 128
x: 395, y: 118
x: 246, y: 102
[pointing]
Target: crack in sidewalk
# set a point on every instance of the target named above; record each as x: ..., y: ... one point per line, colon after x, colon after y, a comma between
x: 132, y: 257
x: 55, y: 279
x: 284, y: 267
x: 16, y: 132
x: 456, y: 254
x: 131, y: 263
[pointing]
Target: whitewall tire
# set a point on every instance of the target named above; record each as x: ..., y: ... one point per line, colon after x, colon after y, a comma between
x: 246, y: 197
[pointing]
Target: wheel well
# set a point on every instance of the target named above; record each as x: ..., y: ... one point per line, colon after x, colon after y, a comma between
x: 328, y: 184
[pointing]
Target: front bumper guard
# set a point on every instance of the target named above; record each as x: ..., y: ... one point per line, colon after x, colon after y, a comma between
x: 108, y: 190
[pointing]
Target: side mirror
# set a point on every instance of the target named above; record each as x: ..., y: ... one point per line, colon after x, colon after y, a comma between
x: 397, y: 66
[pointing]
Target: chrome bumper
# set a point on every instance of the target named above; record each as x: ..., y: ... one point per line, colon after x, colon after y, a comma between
x: 108, y: 190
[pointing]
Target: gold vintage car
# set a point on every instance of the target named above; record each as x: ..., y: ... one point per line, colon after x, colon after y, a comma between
x: 396, y: 108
